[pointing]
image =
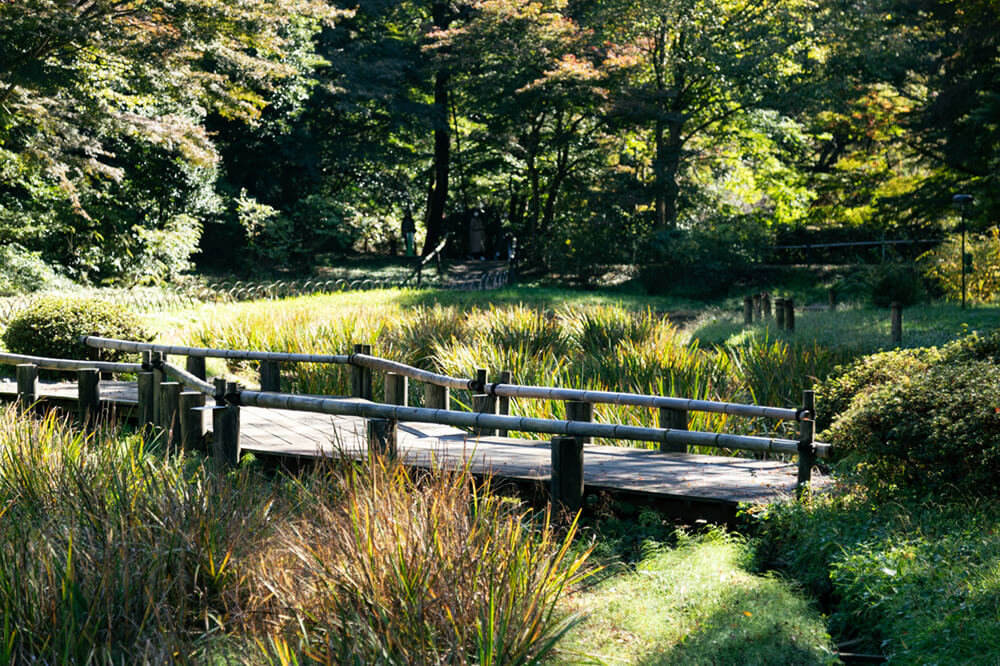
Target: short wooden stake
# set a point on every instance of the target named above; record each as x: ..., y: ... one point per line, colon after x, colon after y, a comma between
x: 270, y: 376
x: 789, y: 314
x: 437, y: 397
x: 503, y: 402
x: 747, y: 310
x: 397, y: 389
x: 674, y: 419
x: 361, y: 378
x: 484, y: 404
x: 577, y: 410
x: 779, y: 313
x: 807, y: 439
x: 567, y: 473
x: 832, y: 299
x: 382, y: 437
x: 191, y: 420
x: 757, y: 307
x: 147, y: 401
x: 226, y: 425
x: 896, y: 310
x: 27, y: 384
x: 170, y: 399
x: 88, y: 386
x: 196, y: 366
x: 765, y: 302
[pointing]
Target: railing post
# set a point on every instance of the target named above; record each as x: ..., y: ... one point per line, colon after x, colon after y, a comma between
x: 27, y: 384
x: 577, y: 410
x: 747, y: 310
x: 674, y: 419
x: 779, y: 312
x: 270, y: 376
x: 361, y: 378
x: 226, y: 424
x: 503, y: 403
x: 896, y: 310
x: 789, y: 314
x: 437, y: 397
x: 191, y: 420
x: 807, y: 439
x: 170, y: 397
x: 567, y: 473
x: 147, y: 401
x: 88, y: 386
x: 382, y: 438
x: 397, y: 389
x: 156, y: 360
x: 195, y: 365
x: 483, y: 403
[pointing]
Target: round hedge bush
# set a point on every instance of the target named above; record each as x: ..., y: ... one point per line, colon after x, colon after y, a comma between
x: 52, y: 326
x: 934, y: 433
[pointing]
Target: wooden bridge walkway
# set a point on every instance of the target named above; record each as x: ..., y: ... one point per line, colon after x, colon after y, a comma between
x: 710, y: 486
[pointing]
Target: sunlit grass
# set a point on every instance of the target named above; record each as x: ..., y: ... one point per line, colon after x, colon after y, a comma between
x: 695, y: 604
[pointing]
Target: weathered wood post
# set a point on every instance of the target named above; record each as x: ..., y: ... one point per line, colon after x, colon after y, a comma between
x: 270, y: 376
x: 226, y: 423
x: 779, y: 312
x: 397, y: 389
x: 577, y: 410
x: 382, y: 440
x: 147, y: 401
x: 832, y: 299
x: 789, y: 314
x: 437, y: 397
x: 674, y: 419
x: 567, y: 473
x: 757, y: 307
x: 503, y: 403
x: 765, y: 301
x: 807, y: 439
x: 156, y: 360
x: 195, y: 365
x: 896, y: 310
x: 361, y: 378
x: 88, y: 386
x: 484, y: 404
x: 747, y: 310
x: 170, y: 399
x: 27, y: 384
x: 191, y: 422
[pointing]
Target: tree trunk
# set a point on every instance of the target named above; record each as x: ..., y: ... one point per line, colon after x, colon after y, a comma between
x: 442, y: 144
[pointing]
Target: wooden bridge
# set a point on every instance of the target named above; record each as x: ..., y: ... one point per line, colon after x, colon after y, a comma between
x: 295, y: 429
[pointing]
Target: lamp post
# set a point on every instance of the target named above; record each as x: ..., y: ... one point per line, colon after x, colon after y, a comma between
x: 962, y: 201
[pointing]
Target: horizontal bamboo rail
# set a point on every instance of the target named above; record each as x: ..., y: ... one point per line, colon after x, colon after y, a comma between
x: 67, y: 364
x: 189, y: 380
x: 478, y: 420
x: 207, y: 352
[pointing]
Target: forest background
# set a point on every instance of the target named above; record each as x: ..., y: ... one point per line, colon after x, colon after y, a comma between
x: 139, y: 136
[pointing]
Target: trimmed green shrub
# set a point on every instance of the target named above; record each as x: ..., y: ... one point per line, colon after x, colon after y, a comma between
x: 834, y: 395
x: 52, y: 326
x: 933, y: 432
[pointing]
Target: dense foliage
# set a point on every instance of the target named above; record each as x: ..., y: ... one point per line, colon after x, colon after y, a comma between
x: 678, y: 133
x: 51, y: 327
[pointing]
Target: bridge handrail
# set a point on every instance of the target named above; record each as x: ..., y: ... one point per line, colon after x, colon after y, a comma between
x: 45, y: 363
x: 341, y: 407
x: 189, y: 380
x: 496, y: 389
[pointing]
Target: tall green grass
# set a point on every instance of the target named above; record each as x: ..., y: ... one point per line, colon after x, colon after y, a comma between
x: 599, y: 347
x: 112, y: 553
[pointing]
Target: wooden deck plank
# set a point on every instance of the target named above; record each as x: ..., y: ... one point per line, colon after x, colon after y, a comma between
x: 721, y: 479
